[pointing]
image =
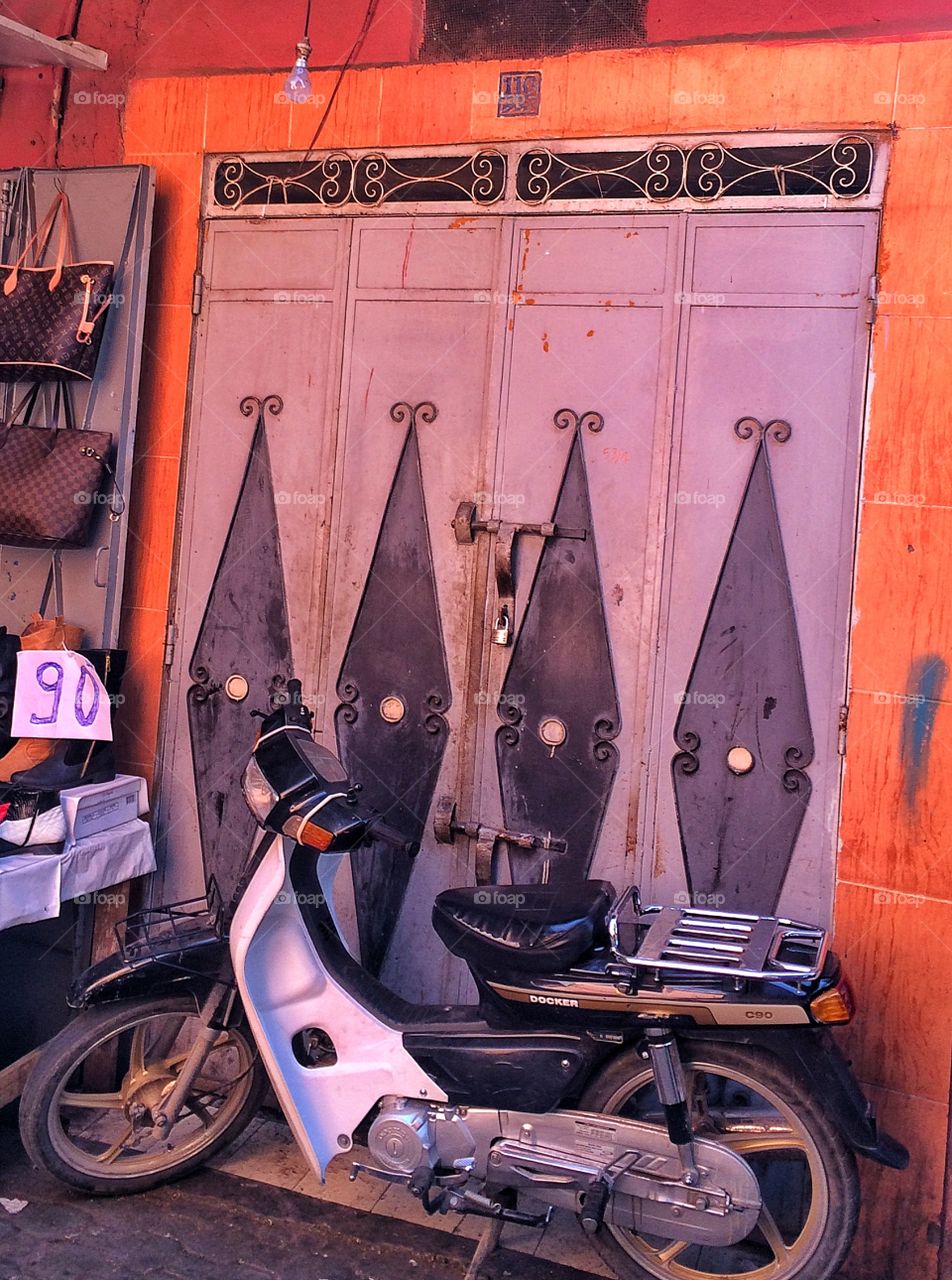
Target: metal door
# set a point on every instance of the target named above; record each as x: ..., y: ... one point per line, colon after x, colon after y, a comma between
x: 761, y: 510
x: 524, y: 477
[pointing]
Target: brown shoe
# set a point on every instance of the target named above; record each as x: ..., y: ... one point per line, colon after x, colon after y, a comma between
x: 26, y: 754
x: 51, y: 633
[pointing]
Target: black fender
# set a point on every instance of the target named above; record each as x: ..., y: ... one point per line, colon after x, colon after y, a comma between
x: 813, y: 1054
x: 193, y: 969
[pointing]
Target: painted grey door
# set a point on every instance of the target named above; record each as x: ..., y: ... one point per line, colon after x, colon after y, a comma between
x: 744, y: 765
x: 532, y: 486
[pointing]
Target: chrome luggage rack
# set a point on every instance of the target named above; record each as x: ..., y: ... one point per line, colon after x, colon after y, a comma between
x: 693, y: 940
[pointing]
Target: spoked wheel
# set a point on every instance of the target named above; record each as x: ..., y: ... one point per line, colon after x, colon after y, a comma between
x: 748, y: 1101
x: 86, y: 1115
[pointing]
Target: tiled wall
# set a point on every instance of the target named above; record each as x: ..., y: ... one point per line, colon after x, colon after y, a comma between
x: 894, y: 904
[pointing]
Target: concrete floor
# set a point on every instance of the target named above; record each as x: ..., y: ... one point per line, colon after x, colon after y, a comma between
x: 267, y: 1152
x: 260, y: 1215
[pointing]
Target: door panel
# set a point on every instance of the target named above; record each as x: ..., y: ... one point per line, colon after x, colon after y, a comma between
x: 749, y: 356
x: 398, y: 482
x: 250, y: 342
x: 579, y: 661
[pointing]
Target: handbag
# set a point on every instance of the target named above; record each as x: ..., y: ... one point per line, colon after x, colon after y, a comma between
x: 52, y: 318
x: 50, y: 477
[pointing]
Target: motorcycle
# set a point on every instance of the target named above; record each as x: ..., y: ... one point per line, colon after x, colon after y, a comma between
x: 668, y: 1075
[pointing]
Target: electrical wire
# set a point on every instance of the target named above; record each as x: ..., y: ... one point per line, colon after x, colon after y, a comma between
x: 354, y: 51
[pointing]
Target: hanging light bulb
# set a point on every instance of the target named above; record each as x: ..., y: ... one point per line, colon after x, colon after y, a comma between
x: 297, y: 87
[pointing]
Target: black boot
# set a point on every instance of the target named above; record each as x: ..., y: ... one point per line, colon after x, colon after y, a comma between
x: 9, y: 648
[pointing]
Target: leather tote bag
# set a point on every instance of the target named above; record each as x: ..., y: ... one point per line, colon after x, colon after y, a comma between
x: 50, y: 477
x: 52, y: 318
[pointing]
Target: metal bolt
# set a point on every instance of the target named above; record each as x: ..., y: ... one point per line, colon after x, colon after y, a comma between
x: 495, y: 1157
x: 343, y: 1141
x: 565, y: 1064
x: 701, y: 1202
x: 675, y: 1212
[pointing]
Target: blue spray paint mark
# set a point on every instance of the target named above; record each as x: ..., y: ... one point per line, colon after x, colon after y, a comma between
x: 927, y: 677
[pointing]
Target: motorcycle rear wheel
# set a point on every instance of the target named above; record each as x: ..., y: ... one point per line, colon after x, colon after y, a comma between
x: 84, y: 1114
x: 748, y: 1100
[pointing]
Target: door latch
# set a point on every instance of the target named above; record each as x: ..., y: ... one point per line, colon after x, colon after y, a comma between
x: 447, y: 826
x: 467, y: 526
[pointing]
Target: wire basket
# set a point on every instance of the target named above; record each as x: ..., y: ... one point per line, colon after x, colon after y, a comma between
x: 160, y: 933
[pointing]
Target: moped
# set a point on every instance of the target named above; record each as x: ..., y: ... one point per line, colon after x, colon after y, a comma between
x: 666, y: 1074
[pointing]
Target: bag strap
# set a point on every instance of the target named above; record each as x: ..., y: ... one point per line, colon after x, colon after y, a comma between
x: 40, y: 239
x: 54, y: 587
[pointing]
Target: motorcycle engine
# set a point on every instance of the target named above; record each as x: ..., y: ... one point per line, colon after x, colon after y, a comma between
x: 401, y: 1137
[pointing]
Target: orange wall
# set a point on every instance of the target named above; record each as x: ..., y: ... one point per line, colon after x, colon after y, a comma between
x: 894, y: 902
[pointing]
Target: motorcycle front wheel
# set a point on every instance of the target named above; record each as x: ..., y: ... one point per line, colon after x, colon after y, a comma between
x: 747, y: 1100
x: 86, y: 1111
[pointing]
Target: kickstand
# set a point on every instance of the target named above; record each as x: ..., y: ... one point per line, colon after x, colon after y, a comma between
x: 488, y: 1243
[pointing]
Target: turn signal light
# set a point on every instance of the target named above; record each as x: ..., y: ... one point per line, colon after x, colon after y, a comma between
x: 308, y: 833
x: 834, y: 1006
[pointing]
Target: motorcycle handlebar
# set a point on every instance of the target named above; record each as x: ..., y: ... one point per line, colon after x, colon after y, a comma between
x: 381, y: 830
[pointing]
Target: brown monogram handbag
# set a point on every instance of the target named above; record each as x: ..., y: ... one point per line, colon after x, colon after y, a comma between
x: 52, y: 318
x: 51, y: 477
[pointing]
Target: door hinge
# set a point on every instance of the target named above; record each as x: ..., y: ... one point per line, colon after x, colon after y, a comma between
x: 198, y: 292
x: 872, y: 299
x: 171, y: 634
x: 841, y: 729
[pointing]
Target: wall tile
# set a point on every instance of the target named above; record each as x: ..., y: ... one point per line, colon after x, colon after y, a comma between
x: 916, y: 249
x: 892, y: 1242
x: 633, y: 93
x: 247, y: 113
x: 425, y: 102
x: 897, y: 805
x: 925, y: 83
x: 178, y: 185
x: 901, y: 1038
x: 723, y: 87
x: 152, y: 509
x: 354, y: 118
x: 165, y: 115
x: 909, y: 450
x: 164, y: 382
x: 142, y: 632
x: 903, y: 601
x: 838, y: 83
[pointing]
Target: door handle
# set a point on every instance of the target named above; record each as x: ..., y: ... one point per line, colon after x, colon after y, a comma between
x: 467, y: 526
x: 447, y: 826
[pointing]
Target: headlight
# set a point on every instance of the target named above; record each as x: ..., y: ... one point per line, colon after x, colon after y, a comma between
x: 259, y: 794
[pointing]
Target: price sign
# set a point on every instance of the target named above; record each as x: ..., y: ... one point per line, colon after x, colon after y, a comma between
x: 59, y: 695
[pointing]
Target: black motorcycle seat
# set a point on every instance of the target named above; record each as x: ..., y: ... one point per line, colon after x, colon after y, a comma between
x: 536, y: 928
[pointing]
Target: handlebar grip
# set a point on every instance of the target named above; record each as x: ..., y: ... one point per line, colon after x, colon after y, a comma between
x: 381, y: 830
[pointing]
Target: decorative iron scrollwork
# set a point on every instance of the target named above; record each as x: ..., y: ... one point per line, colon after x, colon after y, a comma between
x: 740, y: 811
x: 566, y: 419
x: 403, y: 412
x: 368, y: 180
x: 704, y: 172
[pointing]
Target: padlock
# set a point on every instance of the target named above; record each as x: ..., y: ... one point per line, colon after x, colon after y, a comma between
x: 502, y: 628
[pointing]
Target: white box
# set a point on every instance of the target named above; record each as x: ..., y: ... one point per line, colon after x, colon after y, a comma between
x: 102, y: 805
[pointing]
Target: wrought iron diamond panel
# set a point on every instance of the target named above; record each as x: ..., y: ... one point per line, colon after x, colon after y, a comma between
x: 744, y: 726
x: 554, y: 753
x: 242, y: 657
x: 394, y: 690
